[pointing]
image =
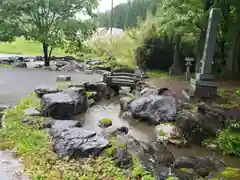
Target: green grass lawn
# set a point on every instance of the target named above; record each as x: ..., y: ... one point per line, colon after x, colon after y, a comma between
x: 29, y: 48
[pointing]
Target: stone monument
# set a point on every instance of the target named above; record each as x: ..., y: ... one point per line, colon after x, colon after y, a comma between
x: 204, y: 85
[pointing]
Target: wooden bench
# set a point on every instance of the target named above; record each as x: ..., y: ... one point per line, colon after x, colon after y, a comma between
x: 118, y: 80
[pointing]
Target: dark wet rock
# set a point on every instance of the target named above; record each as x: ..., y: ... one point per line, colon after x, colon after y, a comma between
x: 88, y: 71
x: 124, y: 103
x: 60, y: 64
x: 170, y: 134
x: 101, y: 67
x: 122, y: 157
x: 154, y: 108
x: 94, y: 62
x: 201, y: 165
x: 163, y: 172
x: 114, y: 131
x: 19, y: 64
x: 63, y: 78
x: 38, y: 66
x: 42, y: 90
x: 2, y: 109
x: 91, y: 103
x: 98, y: 71
x: 80, y: 85
x: 205, y: 123
x: 79, y: 96
x: 149, y: 91
x: 58, y: 106
x: 78, y: 142
x: 7, y: 61
x: 69, y: 58
x: 155, y: 154
x: 99, y: 87
x: 31, y: 112
x: 123, y: 69
x: 72, y: 66
x: 59, y: 125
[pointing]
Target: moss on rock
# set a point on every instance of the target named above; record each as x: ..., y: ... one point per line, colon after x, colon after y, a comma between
x: 105, y: 122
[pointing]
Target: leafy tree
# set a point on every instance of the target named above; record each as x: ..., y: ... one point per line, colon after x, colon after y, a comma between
x: 48, y: 21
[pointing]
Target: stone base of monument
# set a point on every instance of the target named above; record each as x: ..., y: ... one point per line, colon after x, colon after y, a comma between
x: 175, y: 72
x: 201, y: 89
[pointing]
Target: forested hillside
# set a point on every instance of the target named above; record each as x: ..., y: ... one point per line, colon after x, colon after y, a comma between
x: 127, y: 14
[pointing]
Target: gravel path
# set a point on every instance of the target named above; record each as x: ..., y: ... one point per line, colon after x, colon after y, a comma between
x: 18, y: 83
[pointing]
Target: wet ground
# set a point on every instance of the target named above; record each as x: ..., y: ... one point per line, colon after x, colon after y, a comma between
x: 10, y: 168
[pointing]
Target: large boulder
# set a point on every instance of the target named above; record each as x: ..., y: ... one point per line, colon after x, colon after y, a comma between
x: 78, y: 142
x: 58, y: 105
x: 154, y: 108
x: 42, y: 90
x: 79, y: 96
x: 201, y: 165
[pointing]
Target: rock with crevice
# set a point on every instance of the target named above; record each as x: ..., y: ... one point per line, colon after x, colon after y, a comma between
x: 58, y: 106
x: 78, y: 142
x: 42, y: 90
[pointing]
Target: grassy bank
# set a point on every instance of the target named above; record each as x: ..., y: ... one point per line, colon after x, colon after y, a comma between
x: 29, y: 48
x: 40, y: 163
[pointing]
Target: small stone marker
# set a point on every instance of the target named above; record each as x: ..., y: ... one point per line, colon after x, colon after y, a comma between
x: 63, y: 78
x: 188, y: 67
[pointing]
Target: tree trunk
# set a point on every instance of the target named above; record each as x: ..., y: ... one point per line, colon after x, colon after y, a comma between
x: 177, y: 52
x: 45, y: 51
x: 232, y: 59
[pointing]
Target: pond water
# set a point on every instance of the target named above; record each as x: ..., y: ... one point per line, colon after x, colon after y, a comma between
x: 142, y: 131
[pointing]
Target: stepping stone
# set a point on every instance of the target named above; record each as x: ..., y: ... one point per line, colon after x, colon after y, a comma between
x: 63, y: 78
